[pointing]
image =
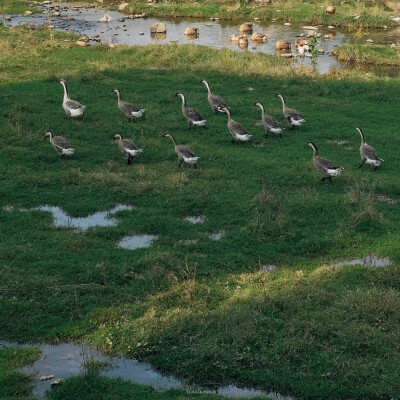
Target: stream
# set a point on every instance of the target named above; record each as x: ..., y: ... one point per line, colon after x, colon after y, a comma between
x: 83, y: 18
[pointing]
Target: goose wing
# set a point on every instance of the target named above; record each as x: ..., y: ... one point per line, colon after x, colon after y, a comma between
x: 326, y: 164
x: 293, y: 114
x: 272, y: 122
x: 128, y: 144
x: 237, y: 129
x: 369, y: 152
x: 185, y: 151
x: 217, y: 102
x: 193, y: 114
x: 128, y: 108
x: 61, y: 143
x: 73, y: 105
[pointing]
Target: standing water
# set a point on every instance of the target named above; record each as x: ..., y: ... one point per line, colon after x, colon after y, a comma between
x: 83, y: 18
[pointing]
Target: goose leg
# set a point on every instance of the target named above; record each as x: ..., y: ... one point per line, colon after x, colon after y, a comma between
x: 195, y: 165
x: 130, y: 160
x: 362, y: 163
x: 83, y: 116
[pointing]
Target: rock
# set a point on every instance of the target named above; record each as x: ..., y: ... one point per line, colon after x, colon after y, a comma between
x: 310, y: 28
x: 106, y: 18
x: 141, y: 33
x: 357, y: 17
x: 321, y: 51
x: 82, y: 43
x: 329, y: 35
x: 282, y: 45
x: 311, y: 33
x: 330, y: 10
x: 158, y: 27
x: 28, y: 13
x: 287, y: 24
x: 121, y: 20
x: 370, y: 41
x: 56, y: 382
x: 258, y: 37
x: 123, y: 6
x: 56, y: 14
x: 247, y: 27
x: 234, y: 38
x: 46, y: 2
x: 46, y: 377
x: 8, y: 18
x: 331, y: 27
x: 192, y: 31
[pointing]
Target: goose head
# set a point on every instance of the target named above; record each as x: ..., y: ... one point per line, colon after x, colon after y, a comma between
x: 166, y: 135
x: 49, y: 134
x: 313, y: 146
x: 117, y: 136
x: 115, y: 90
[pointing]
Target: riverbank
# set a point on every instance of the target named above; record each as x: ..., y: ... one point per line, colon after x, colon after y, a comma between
x: 250, y: 294
x: 348, y: 14
x: 367, y: 54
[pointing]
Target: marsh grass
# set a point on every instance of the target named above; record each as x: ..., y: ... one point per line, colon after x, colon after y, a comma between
x: 348, y: 14
x: 14, y: 384
x: 368, y: 54
x: 202, y: 311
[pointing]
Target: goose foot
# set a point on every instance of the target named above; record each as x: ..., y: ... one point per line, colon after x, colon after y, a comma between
x: 195, y: 165
x: 83, y: 117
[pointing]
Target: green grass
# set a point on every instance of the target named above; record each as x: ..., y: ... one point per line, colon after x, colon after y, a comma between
x: 368, y: 54
x: 14, y: 384
x: 202, y: 311
x: 100, y: 388
x: 349, y: 13
x: 15, y: 6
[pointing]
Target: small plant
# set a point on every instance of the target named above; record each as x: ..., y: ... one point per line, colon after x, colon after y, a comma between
x: 313, y: 47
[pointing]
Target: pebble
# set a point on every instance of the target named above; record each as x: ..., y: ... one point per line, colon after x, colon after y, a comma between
x: 141, y: 33
x: 287, y: 24
x: 56, y: 382
x: 46, y: 377
x: 370, y: 41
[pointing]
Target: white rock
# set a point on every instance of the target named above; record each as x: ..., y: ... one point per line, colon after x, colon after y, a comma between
x: 370, y: 41
x: 287, y: 24
x: 27, y: 13
x: 123, y: 6
x: 310, y: 28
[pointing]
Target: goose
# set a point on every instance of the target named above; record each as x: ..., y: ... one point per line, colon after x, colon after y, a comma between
x: 293, y: 117
x: 128, y: 147
x: 184, y: 153
x: 323, y: 165
x: 60, y: 144
x: 128, y: 109
x: 367, y: 152
x: 216, y: 103
x: 301, y: 50
x: 192, y: 116
x: 270, y: 123
x: 237, y: 131
x: 71, y: 107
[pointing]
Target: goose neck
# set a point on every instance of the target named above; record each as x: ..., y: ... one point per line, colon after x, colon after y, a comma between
x: 66, y: 96
x: 207, y: 86
x: 361, y: 134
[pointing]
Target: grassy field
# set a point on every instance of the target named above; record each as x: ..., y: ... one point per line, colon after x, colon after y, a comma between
x: 348, y: 13
x: 202, y: 310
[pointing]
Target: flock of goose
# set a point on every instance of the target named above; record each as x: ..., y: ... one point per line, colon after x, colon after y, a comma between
x: 239, y: 134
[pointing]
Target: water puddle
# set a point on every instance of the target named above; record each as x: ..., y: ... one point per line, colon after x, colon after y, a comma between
x: 122, y: 30
x: 217, y: 236
x: 368, y: 261
x: 62, y: 220
x: 68, y: 359
x: 195, y: 220
x: 385, y: 199
x: 268, y: 267
x: 136, y: 241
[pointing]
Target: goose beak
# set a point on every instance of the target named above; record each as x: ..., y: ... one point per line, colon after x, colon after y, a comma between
x: 165, y: 134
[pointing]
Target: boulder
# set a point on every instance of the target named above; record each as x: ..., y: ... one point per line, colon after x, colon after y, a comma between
x: 282, y: 45
x: 330, y: 10
x: 192, y: 31
x: 123, y: 6
x: 158, y: 27
x: 28, y: 13
x: 246, y: 27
